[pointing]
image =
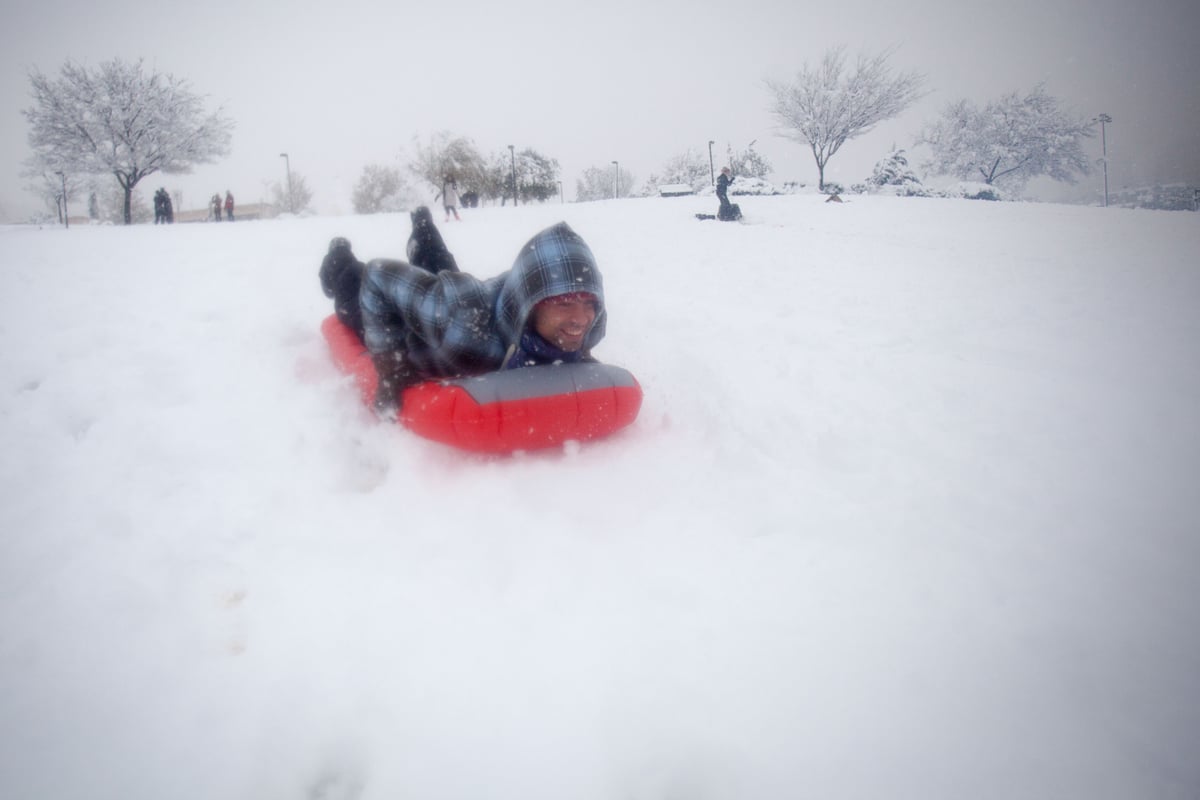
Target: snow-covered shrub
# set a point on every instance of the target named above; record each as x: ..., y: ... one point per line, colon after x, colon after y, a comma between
x: 744, y: 184
x: 893, y: 170
x: 972, y: 190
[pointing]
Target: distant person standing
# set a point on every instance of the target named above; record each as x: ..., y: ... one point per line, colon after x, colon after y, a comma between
x: 214, y: 207
x: 727, y: 211
x: 449, y: 195
x: 160, y: 207
x: 228, y: 206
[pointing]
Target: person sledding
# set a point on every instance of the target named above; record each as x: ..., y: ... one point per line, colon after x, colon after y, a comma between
x: 341, y: 273
x: 418, y: 326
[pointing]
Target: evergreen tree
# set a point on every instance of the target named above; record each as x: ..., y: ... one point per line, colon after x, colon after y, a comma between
x: 893, y: 170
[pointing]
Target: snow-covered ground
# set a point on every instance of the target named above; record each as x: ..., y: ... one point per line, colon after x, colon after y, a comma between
x: 910, y: 511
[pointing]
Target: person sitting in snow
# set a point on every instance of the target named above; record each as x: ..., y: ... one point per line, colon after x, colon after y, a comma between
x: 548, y: 308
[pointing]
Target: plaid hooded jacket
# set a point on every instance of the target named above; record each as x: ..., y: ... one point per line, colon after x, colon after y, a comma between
x: 453, y: 324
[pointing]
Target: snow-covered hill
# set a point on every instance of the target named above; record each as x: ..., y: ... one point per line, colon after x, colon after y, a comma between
x: 910, y: 512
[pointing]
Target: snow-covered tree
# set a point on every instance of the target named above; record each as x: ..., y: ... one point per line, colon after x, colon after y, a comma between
x: 120, y: 120
x: 111, y: 206
x: 604, y: 183
x: 446, y: 154
x: 825, y: 106
x: 748, y: 163
x: 381, y: 188
x: 1009, y: 141
x: 48, y: 185
x: 689, y: 167
x: 536, y: 176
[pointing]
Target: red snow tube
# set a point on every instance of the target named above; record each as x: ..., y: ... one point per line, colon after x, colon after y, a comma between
x: 500, y: 412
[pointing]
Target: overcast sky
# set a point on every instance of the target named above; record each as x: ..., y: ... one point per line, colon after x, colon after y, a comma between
x: 637, y: 81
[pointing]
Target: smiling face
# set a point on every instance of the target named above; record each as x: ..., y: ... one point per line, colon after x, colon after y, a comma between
x: 564, y: 321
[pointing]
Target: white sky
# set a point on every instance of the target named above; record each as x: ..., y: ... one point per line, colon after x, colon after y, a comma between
x: 638, y: 82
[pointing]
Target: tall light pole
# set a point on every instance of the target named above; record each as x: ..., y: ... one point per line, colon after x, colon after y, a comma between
x: 513, y: 153
x: 287, y: 162
x: 712, y: 174
x: 66, y: 216
x: 616, y: 180
x: 1104, y: 119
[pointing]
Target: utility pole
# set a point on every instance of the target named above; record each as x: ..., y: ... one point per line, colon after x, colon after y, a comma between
x: 1104, y: 119
x: 291, y: 199
x: 513, y: 153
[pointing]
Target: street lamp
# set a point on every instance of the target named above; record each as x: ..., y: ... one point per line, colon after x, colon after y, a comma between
x: 513, y: 153
x: 1104, y: 119
x: 712, y: 174
x: 66, y: 215
x: 287, y: 162
x: 616, y: 180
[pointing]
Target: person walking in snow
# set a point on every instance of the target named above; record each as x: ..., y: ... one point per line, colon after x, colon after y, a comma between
x: 548, y: 308
x: 449, y: 195
x: 228, y: 206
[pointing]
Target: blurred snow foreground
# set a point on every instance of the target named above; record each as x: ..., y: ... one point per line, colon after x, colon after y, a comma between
x: 910, y: 511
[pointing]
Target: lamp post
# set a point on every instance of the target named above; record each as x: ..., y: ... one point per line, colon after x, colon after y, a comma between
x: 66, y: 216
x: 712, y: 174
x: 616, y: 180
x: 287, y: 162
x: 513, y: 153
x: 1104, y: 119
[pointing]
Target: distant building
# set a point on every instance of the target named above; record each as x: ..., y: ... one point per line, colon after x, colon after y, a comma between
x: 245, y: 212
x: 674, y: 190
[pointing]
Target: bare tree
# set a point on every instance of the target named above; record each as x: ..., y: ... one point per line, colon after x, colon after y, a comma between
x: 603, y: 183
x: 300, y: 195
x: 825, y: 106
x: 119, y: 120
x: 1009, y: 141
